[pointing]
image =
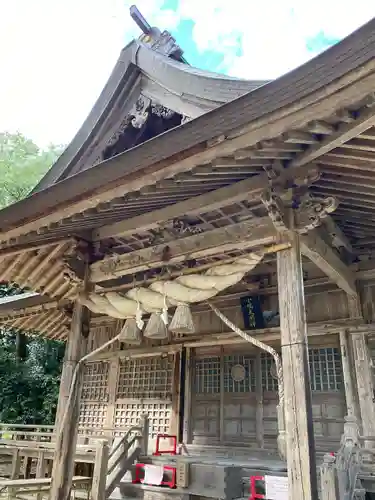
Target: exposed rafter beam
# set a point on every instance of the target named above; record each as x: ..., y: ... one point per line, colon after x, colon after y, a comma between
x: 345, y: 133
x: 325, y: 258
x: 218, y: 241
x: 249, y: 189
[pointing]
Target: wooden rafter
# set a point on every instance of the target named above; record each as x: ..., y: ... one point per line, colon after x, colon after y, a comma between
x: 324, y: 257
x: 248, y: 189
x: 348, y: 131
x: 238, y: 236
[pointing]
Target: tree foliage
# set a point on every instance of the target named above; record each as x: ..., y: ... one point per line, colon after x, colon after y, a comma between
x: 22, y: 165
x: 29, y: 366
x: 29, y: 387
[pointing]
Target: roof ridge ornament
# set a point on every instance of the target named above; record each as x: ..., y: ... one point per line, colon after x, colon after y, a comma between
x: 157, y: 40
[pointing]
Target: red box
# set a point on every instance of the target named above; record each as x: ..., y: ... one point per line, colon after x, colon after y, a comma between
x: 172, y: 451
x: 140, y: 468
x: 253, y: 491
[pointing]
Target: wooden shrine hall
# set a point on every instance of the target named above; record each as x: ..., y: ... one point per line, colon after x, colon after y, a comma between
x: 205, y: 247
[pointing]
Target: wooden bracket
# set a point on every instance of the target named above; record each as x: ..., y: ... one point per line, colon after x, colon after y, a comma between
x: 284, y: 194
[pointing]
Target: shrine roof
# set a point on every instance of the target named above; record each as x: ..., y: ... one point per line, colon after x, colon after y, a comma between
x: 325, y: 88
x: 142, y: 72
x: 321, y: 114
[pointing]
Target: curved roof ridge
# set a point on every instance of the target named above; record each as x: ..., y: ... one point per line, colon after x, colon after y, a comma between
x: 176, y: 85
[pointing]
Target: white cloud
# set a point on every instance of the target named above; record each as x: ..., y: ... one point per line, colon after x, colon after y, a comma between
x: 274, y: 32
x: 56, y: 55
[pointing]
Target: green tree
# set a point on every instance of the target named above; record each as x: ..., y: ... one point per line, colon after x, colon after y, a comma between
x: 22, y: 165
x: 29, y: 366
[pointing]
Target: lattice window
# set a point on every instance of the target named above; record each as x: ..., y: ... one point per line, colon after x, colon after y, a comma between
x: 239, y: 373
x: 159, y: 412
x: 149, y: 378
x: 95, y: 382
x: 207, y: 375
x: 92, y: 415
x: 269, y: 379
x: 325, y: 369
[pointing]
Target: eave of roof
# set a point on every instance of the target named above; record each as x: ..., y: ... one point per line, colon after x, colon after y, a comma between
x: 19, y: 301
x: 336, y: 68
x: 123, y: 77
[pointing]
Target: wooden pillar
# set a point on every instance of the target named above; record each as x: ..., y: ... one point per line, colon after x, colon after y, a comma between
x: 175, y: 418
x: 67, y: 428
x: 363, y: 374
x: 187, y: 403
x: 300, y: 446
x: 16, y: 464
x: 259, y: 415
x: 114, y: 369
x: 328, y: 479
x: 100, y: 471
x: 349, y: 383
x: 27, y: 462
x: 75, y: 348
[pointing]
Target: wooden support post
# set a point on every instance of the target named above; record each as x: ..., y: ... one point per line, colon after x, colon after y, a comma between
x: 145, y: 422
x: 100, y: 471
x: 187, y: 402
x: 328, y: 479
x: 363, y: 373
x: 222, y: 398
x: 67, y: 419
x: 40, y: 466
x: 16, y: 464
x: 351, y: 401
x: 40, y: 471
x: 175, y: 418
x: 300, y: 446
x: 27, y: 462
x: 259, y: 426
x: 15, y: 471
x: 114, y: 368
x: 75, y: 348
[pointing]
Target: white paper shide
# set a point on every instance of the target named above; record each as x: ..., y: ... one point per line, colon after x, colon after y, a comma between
x: 153, y: 475
x: 276, y: 487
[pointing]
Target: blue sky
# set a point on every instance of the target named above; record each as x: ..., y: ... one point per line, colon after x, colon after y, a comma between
x: 56, y: 55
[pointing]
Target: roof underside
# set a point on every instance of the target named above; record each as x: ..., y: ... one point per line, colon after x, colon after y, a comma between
x: 321, y: 113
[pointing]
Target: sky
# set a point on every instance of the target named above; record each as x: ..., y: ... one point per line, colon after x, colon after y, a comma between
x: 56, y: 55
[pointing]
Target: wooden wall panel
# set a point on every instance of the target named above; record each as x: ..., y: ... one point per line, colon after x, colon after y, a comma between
x: 326, y: 306
x: 221, y: 414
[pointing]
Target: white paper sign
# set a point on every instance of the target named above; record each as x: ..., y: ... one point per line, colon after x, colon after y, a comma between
x: 153, y: 474
x: 276, y: 487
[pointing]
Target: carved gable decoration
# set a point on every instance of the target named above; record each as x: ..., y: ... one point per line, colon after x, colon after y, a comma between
x: 145, y: 121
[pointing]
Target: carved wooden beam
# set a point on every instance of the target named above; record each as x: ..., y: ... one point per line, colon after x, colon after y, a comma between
x: 244, y: 235
x: 324, y: 257
x: 296, y: 210
x: 249, y: 189
x: 292, y: 207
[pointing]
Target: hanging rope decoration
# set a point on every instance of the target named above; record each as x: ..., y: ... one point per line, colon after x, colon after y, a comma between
x: 162, y: 295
